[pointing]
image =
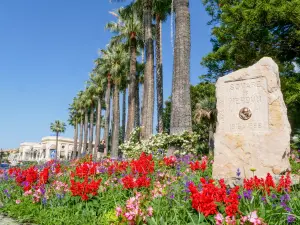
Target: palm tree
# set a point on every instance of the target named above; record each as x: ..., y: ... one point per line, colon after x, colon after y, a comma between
x: 103, y: 68
x: 161, y: 10
x: 128, y: 29
x: 97, y: 83
x: 80, y: 105
x: 91, y: 95
x: 73, y: 120
x: 119, y: 60
x: 181, y: 101
x: 88, y: 102
x: 148, y: 92
x: 206, y: 108
x: 57, y: 127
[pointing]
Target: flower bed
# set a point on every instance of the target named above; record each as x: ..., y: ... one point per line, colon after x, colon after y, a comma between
x: 143, y: 191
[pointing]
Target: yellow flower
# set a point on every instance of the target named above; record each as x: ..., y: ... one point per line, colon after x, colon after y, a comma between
x: 252, y: 169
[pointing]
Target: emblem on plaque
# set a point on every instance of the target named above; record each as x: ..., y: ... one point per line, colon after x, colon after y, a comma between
x: 245, y: 113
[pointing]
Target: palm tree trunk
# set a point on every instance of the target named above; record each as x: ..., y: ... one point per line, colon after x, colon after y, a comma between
x: 124, y: 116
x: 57, y: 146
x: 116, y: 123
x: 75, y: 140
x: 137, y: 104
x: 132, y: 87
x: 98, y: 127
x: 80, y: 138
x: 107, y: 115
x: 148, y: 95
x: 181, y: 101
x: 91, y: 132
x: 159, y: 76
x: 85, y: 138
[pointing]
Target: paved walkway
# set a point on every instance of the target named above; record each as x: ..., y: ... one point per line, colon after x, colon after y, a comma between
x: 4, y: 220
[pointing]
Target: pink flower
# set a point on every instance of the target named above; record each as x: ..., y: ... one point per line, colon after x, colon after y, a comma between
x: 18, y: 201
x: 253, y: 218
x: 219, y: 219
x: 118, y: 211
x: 150, y: 211
x: 128, y: 216
x: 230, y: 220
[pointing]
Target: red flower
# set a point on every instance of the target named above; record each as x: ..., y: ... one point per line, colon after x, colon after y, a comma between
x: 284, y: 183
x: 144, y: 165
x: 170, y: 161
x: 232, y: 202
x: 128, y: 182
x: 207, y: 200
x: 83, y: 189
x: 197, y: 166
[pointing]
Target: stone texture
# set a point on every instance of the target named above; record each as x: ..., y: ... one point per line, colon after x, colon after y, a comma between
x: 253, y: 130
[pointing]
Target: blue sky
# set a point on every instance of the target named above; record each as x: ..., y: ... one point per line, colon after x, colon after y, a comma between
x: 47, y: 49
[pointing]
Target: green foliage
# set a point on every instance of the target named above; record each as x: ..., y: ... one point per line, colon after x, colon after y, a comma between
x: 291, y: 92
x: 58, y: 127
x: 199, y: 92
x: 158, y: 144
x: 248, y: 30
x: 166, y: 116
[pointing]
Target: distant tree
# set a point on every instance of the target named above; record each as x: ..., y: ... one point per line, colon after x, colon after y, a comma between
x: 57, y: 127
x: 206, y: 109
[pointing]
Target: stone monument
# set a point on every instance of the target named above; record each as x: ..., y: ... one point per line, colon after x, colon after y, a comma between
x: 253, y: 131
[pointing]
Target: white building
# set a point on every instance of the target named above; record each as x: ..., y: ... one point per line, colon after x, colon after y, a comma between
x: 45, y: 150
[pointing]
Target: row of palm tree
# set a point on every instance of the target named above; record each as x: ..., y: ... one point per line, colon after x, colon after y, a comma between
x: 121, y: 69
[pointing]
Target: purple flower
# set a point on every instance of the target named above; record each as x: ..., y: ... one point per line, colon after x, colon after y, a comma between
x: 263, y: 199
x: 172, y: 196
x: 288, y: 209
x: 290, y: 219
x: 187, y: 184
x: 247, y: 194
x: 44, y: 201
x: 238, y: 172
x: 42, y: 189
x: 285, y: 198
x: 283, y: 204
x: 273, y: 196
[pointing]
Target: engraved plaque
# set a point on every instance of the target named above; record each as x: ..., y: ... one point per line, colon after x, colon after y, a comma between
x: 246, y: 106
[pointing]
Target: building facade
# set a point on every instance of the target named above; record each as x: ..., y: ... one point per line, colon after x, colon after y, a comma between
x: 46, y: 149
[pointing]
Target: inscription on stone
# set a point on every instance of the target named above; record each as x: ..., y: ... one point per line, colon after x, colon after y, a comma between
x: 246, y: 106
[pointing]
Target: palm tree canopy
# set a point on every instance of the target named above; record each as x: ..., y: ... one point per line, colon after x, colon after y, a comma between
x: 58, y: 126
x: 127, y: 26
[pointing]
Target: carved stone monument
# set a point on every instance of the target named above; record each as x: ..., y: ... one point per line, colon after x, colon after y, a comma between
x: 253, y: 131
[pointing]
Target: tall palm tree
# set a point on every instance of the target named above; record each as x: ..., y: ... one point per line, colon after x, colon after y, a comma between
x: 57, y: 127
x: 91, y: 94
x: 87, y: 101
x: 97, y: 83
x: 128, y: 29
x: 73, y: 120
x: 124, y: 115
x: 103, y: 68
x: 206, y: 108
x: 80, y: 105
x: 118, y: 60
x: 148, y: 91
x: 161, y: 10
x: 181, y: 102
